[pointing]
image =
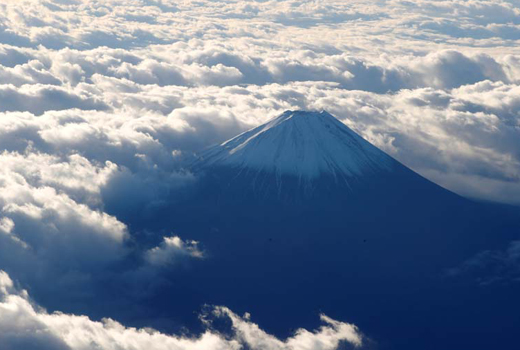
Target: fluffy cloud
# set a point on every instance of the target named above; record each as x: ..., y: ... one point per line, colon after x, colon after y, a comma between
x: 38, y: 99
x: 172, y: 249
x: 51, y: 219
x: 154, y: 90
x: 53, y: 224
x: 491, y: 266
x: 26, y: 325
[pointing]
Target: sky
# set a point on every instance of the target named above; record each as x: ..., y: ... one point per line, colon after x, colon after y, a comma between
x: 101, y: 100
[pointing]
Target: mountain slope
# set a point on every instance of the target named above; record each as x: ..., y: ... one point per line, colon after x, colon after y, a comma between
x: 301, y: 216
x: 302, y: 144
x: 304, y: 155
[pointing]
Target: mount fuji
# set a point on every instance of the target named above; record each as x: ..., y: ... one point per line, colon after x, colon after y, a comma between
x: 301, y: 144
x: 302, y: 158
x: 302, y: 216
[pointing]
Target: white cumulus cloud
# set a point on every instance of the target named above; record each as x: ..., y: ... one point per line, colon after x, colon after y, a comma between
x: 26, y: 325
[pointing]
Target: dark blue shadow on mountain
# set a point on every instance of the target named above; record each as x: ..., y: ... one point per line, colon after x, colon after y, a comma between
x: 371, y: 249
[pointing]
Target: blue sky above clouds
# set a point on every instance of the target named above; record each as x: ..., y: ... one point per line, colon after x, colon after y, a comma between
x: 99, y: 101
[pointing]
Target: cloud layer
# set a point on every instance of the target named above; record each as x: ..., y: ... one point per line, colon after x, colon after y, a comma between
x: 26, y: 325
x: 101, y: 101
x: 433, y: 83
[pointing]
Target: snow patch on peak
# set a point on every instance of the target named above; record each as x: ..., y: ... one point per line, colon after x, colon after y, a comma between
x: 303, y: 144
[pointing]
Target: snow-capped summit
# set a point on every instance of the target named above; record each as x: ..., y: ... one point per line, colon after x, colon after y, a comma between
x: 303, y: 144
